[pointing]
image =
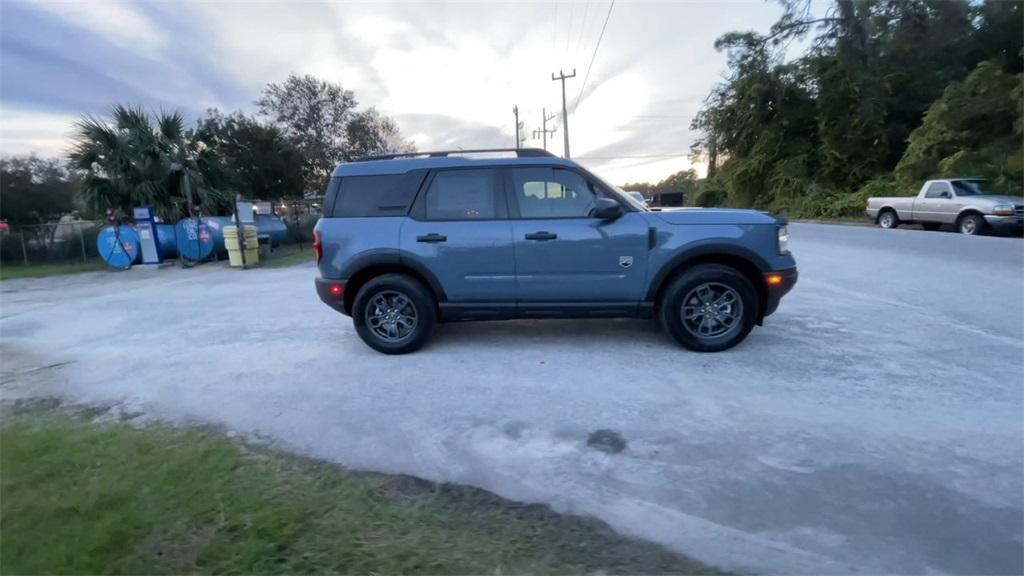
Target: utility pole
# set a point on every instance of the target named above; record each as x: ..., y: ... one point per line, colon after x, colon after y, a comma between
x: 544, y: 130
x: 565, y: 114
x: 515, y: 111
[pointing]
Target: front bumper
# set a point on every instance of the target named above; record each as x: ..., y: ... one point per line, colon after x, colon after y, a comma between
x: 777, y: 291
x: 1005, y: 223
x: 329, y: 292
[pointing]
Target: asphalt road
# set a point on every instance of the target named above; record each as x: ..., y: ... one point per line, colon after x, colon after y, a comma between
x: 874, y: 424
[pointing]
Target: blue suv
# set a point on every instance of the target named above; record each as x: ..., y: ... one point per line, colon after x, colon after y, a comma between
x: 411, y: 240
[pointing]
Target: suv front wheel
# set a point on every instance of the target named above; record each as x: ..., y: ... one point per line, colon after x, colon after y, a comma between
x: 709, y: 308
x: 394, y: 314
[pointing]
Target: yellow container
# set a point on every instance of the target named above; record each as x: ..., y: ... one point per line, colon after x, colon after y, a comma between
x: 252, y: 246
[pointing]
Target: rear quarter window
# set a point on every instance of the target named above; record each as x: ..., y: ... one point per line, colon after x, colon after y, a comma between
x: 374, y: 196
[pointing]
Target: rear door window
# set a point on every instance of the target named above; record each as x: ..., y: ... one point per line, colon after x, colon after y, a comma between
x: 462, y: 195
x: 370, y: 196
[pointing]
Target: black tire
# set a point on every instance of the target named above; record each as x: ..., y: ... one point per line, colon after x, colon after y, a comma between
x: 681, y: 291
x: 971, y: 224
x: 888, y: 219
x: 418, y: 304
x: 931, y: 226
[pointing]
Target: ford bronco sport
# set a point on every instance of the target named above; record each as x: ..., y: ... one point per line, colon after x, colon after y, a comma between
x: 410, y: 240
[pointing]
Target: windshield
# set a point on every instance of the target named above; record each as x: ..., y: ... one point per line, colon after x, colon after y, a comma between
x: 970, y: 187
x: 626, y: 196
x: 636, y: 196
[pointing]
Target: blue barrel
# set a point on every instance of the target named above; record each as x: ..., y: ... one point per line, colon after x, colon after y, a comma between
x: 118, y: 246
x: 166, y: 242
x: 271, y: 226
x: 200, y: 238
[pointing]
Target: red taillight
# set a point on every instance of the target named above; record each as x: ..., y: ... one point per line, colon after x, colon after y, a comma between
x: 336, y: 289
x: 317, y: 247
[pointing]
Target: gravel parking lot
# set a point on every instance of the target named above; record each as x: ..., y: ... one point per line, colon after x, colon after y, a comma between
x: 874, y: 424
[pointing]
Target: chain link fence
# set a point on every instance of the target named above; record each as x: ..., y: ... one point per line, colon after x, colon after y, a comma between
x: 61, y: 242
x: 71, y: 241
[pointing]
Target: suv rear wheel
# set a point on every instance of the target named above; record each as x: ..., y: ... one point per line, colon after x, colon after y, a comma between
x: 394, y: 314
x: 709, y: 308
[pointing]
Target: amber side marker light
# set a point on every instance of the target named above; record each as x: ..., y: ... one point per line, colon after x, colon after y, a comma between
x: 773, y: 279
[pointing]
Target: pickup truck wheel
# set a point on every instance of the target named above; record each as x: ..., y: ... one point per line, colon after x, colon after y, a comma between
x: 888, y: 219
x: 971, y: 224
x: 394, y: 314
x: 709, y: 308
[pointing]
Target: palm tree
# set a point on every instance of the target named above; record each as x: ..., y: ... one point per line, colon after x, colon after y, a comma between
x: 129, y: 161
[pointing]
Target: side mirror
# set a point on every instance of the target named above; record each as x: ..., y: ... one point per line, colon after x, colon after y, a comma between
x: 606, y: 209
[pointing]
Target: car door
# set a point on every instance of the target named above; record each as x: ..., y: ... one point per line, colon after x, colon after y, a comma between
x: 936, y: 205
x: 459, y: 231
x: 562, y: 254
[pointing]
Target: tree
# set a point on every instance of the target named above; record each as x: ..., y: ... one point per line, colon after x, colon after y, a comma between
x: 368, y: 133
x: 312, y: 113
x: 35, y: 190
x: 806, y: 135
x: 133, y: 160
x: 316, y: 115
x: 683, y: 182
x: 259, y: 162
x: 974, y: 129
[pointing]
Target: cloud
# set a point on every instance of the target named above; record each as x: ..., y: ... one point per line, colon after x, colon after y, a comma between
x: 441, y: 132
x: 25, y: 131
x: 122, y: 23
x: 449, y: 73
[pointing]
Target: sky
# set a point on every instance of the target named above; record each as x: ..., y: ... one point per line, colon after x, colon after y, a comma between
x: 449, y: 73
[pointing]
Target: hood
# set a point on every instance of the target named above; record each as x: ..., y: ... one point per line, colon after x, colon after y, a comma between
x: 997, y: 199
x: 715, y: 216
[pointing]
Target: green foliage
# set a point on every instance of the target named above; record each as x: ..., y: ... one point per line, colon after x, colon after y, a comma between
x: 709, y: 196
x: 259, y: 162
x: 93, y: 498
x: 369, y: 133
x: 806, y: 136
x: 35, y: 190
x: 320, y: 120
x: 683, y: 182
x: 974, y: 129
x: 132, y: 159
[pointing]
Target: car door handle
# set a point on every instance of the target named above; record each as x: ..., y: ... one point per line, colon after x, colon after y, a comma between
x: 541, y: 236
x: 432, y: 237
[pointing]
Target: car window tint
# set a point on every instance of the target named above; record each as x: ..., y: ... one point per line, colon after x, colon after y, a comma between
x: 461, y: 195
x: 385, y: 195
x: 552, y: 193
x: 935, y: 190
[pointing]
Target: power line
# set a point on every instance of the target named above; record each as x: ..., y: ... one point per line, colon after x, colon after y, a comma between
x: 583, y: 27
x: 631, y: 157
x: 568, y: 31
x: 664, y: 116
x: 594, y: 55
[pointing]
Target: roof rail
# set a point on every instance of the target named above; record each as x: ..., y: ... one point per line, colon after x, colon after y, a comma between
x: 520, y: 153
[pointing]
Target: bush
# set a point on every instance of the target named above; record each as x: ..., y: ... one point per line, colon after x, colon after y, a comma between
x: 709, y: 197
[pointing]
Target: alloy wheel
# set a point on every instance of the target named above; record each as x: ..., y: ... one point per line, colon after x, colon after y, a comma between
x: 712, y: 310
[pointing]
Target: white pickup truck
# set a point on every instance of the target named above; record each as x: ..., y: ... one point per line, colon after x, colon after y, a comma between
x: 963, y: 202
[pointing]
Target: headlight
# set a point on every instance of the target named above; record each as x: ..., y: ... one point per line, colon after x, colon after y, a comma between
x: 783, y: 240
x: 1003, y: 210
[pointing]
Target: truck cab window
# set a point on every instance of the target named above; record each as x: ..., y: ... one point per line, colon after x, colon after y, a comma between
x: 938, y: 190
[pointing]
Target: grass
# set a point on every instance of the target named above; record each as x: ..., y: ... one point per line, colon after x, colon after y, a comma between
x: 81, y: 496
x: 8, y: 271
x: 289, y: 256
